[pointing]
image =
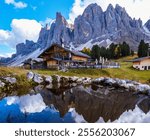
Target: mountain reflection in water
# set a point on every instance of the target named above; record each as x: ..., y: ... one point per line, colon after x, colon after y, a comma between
x: 78, y: 104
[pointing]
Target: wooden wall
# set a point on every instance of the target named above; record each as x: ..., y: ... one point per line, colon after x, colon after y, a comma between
x: 51, y: 62
x: 79, y: 58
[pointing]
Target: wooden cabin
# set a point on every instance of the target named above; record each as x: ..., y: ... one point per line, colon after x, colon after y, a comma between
x: 36, y: 63
x: 142, y: 63
x: 57, y: 56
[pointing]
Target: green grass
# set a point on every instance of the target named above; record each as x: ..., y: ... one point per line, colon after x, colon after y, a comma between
x: 125, y: 72
x: 22, y: 85
x: 6, y: 71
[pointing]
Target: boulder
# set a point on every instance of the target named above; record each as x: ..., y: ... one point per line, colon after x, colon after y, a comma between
x: 73, y: 79
x: 73, y: 84
x: 130, y: 86
x: 87, y: 81
x: 64, y: 79
x: 38, y: 88
x: 79, y: 81
x: 50, y: 86
x: 120, y: 82
x: 98, y: 80
x: 30, y: 75
x: 38, y: 79
x: 2, y: 84
x: 48, y: 79
x: 11, y: 80
x: 143, y: 87
x: 109, y: 81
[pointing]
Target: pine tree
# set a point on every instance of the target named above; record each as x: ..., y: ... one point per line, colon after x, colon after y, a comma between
x: 95, y: 52
x: 143, y: 49
x: 132, y: 52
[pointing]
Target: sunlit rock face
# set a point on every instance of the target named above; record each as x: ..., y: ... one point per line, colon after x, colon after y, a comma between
x: 94, y: 26
x: 147, y: 25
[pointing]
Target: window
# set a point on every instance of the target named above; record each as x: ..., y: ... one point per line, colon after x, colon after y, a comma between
x: 149, y: 67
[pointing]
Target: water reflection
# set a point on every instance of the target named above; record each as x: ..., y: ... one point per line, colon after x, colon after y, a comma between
x: 78, y: 104
x: 28, y: 103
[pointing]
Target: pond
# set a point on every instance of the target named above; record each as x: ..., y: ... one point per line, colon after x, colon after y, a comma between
x: 80, y: 104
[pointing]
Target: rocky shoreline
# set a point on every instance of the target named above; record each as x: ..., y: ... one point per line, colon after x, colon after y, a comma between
x: 74, y: 81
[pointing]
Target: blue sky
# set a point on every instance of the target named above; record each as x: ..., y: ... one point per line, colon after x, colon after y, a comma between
x: 43, y: 9
x: 21, y: 19
x: 38, y: 10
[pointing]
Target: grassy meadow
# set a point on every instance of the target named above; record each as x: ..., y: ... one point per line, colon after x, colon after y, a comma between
x: 125, y: 72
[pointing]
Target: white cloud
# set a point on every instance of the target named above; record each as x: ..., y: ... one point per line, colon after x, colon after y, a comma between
x: 22, y: 29
x: 18, y: 4
x: 135, y: 8
x: 134, y: 116
x: 6, y: 55
x: 28, y: 103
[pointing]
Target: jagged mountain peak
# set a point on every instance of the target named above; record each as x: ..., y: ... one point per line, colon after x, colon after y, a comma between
x: 94, y: 26
x: 110, y: 7
x: 91, y: 10
x: 60, y: 19
x: 93, y: 7
x: 118, y: 8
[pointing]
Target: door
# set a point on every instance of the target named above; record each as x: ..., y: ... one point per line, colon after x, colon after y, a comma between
x: 145, y: 68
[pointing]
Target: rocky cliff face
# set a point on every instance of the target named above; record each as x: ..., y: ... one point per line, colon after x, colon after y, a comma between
x: 94, y: 26
x: 113, y: 24
x: 147, y: 25
x: 26, y: 48
x: 58, y: 32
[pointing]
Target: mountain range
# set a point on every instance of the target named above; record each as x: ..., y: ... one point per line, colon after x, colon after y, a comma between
x: 94, y: 26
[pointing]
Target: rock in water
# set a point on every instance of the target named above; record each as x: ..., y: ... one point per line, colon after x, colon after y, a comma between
x: 48, y: 79
x: 2, y: 84
x: 38, y: 79
x: 30, y: 75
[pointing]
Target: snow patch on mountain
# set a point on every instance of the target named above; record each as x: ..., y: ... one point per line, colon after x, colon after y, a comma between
x: 90, y: 44
x: 147, y: 32
x: 18, y: 61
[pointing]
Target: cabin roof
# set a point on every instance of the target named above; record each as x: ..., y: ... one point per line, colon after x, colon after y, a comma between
x: 34, y: 60
x: 80, y: 54
x: 140, y: 59
x: 77, y: 53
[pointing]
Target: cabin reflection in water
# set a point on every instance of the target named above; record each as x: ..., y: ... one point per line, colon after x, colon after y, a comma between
x: 62, y: 103
x: 91, y: 102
